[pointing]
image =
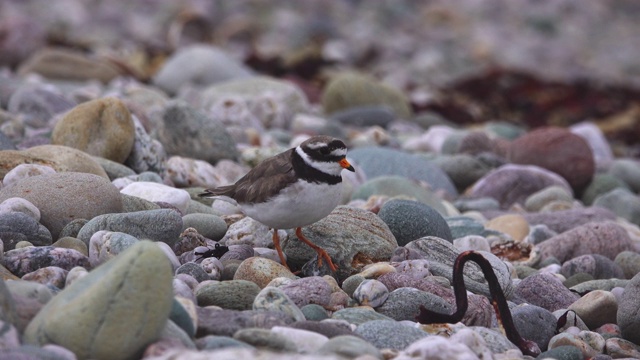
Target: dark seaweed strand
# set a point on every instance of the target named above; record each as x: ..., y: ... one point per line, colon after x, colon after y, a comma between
x: 498, y: 301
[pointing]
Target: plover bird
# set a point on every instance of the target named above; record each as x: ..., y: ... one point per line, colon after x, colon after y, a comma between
x: 293, y: 189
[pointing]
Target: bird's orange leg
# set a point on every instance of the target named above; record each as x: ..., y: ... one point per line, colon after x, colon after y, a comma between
x: 276, y: 244
x: 321, y: 252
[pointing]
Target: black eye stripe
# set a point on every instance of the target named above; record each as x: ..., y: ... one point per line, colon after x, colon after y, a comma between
x: 318, y: 156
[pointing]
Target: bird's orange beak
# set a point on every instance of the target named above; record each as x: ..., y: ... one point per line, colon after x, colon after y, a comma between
x: 345, y: 164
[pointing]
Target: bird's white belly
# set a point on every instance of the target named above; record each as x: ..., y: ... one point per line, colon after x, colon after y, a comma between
x: 300, y: 205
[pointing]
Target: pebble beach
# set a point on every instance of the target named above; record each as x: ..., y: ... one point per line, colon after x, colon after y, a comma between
x: 508, y: 129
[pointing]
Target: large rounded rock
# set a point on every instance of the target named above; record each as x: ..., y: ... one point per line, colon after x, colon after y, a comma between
x: 114, y: 312
x: 353, y: 237
x: 198, y: 64
x: 510, y: 184
x: 208, y: 138
x: 101, y: 127
x: 63, y: 197
x: 162, y: 225
x: 557, y: 150
x: 603, y: 238
x: 378, y: 161
x: 60, y: 158
x: 546, y: 291
x: 628, y: 315
x: 350, y: 90
x: 259, y: 102
x: 410, y: 220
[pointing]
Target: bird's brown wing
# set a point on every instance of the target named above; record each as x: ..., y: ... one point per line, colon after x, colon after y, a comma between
x: 262, y: 182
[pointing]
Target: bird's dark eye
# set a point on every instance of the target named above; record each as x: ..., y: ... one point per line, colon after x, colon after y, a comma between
x: 324, y: 151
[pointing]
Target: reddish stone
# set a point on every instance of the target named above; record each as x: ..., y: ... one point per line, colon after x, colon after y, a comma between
x: 558, y: 150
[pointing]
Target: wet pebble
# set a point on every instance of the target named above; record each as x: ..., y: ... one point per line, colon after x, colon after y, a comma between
x: 389, y: 334
x: 232, y: 295
x: 29, y: 259
x: 371, y: 293
x: 546, y: 291
x: 411, y: 220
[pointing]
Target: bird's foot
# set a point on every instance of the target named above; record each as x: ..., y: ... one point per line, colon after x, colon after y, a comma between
x: 322, y: 254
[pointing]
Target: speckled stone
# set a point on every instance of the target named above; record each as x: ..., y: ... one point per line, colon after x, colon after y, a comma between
x: 147, y: 154
x: 232, y: 295
x: 389, y: 334
x: 309, y: 290
x: 99, y: 315
x: 261, y: 271
x: 404, y: 304
x: 29, y: 259
x: 604, y: 238
x: 274, y: 299
x: 157, y: 225
x: 77, y: 195
x: 545, y: 290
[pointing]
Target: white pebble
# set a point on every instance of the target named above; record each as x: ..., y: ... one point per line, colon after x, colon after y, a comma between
x: 156, y: 192
x: 23, y: 171
x: 20, y: 205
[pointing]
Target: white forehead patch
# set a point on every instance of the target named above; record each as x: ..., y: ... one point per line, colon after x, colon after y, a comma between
x: 339, y: 152
x: 331, y: 167
x: 316, y: 145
